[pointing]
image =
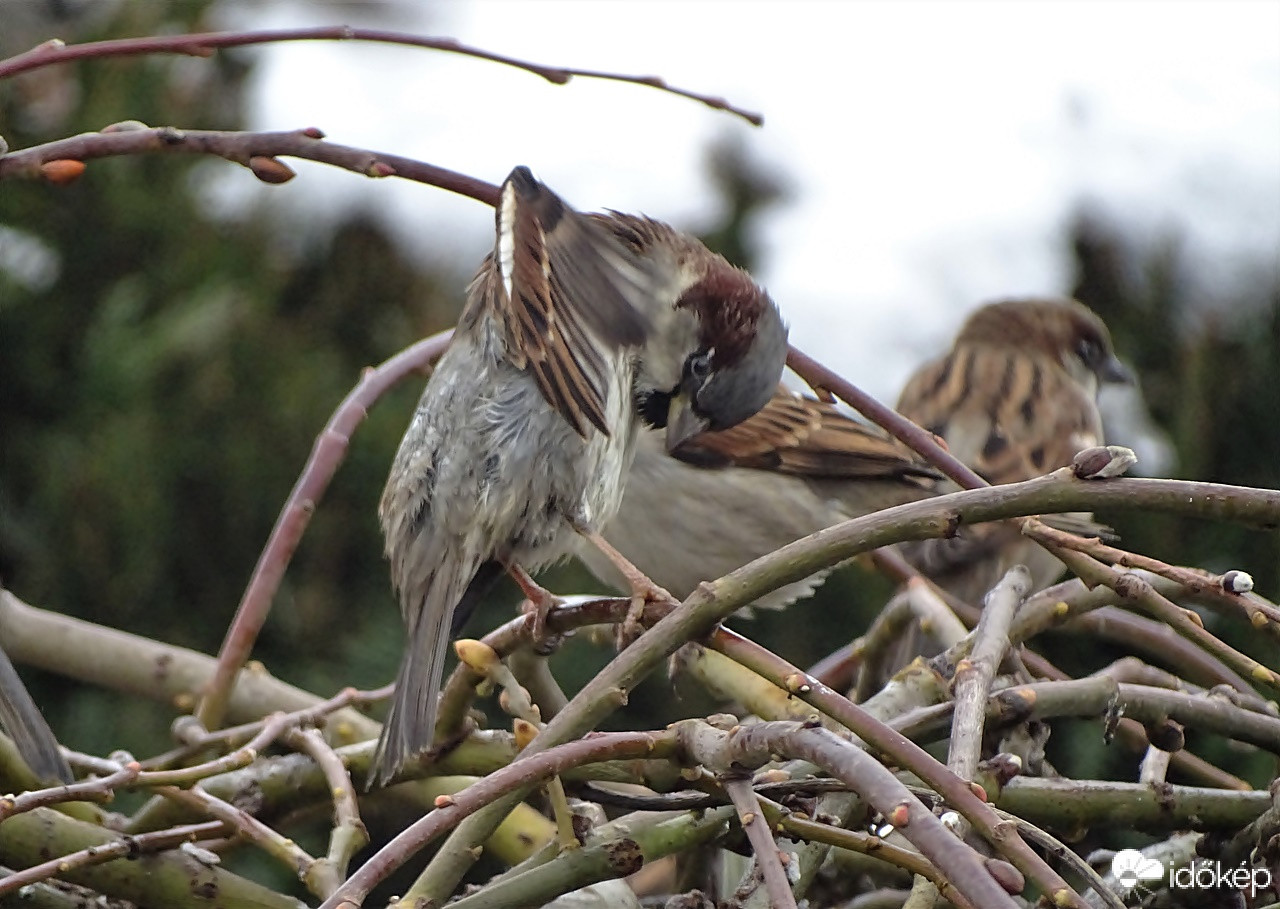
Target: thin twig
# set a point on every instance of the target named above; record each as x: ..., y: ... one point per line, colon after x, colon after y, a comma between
x: 753, y: 823
x: 349, y: 834
x: 919, y: 440
x: 273, y: 727
x: 230, y: 735
x: 276, y: 845
x: 802, y: 828
x: 97, y: 790
x: 1136, y: 590
x: 1258, y: 612
x: 974, y: 675
x: 258, y: 151
x: 203, y: 45
x: 1060, y: 850
x: 126, y: 846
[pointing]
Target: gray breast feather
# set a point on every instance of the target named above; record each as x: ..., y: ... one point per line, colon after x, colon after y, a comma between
x: 505, y: 470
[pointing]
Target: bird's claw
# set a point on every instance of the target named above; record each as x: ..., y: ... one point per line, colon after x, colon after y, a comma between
x: 633, y: 623
x: 536, y: 611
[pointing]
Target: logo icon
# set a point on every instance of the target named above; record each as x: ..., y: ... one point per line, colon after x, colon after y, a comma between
x: 1129, y: 866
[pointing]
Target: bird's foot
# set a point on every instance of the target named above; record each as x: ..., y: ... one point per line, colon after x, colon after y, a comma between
x: 643, y: 592
x: 536, y: 607
x: 536, y: 612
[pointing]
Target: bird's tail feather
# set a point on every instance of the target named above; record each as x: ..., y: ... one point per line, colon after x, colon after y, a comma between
x: 22, y: 719
x: 411, y: 722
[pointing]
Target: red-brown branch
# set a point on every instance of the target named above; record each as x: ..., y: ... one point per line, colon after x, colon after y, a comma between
x: 246, y: 148
x: 203, y: 45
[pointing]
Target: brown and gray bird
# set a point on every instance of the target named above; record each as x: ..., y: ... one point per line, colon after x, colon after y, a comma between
x: 1014, y: 398
x: 722, y: 499
x: 578, y: 330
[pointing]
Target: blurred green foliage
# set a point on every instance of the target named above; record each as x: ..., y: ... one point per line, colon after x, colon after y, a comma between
x: 1209, y: 366
x: 1210, y: 375
x: 166, y: 367
x: 166, y: 375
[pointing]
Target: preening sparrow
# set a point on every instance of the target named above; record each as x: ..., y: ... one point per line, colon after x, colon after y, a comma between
x: 577, y: 330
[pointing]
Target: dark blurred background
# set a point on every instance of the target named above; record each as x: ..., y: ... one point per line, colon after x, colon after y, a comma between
x: 165, y: 365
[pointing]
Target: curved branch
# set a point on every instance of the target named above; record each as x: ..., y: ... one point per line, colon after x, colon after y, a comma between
x: 257, y: 151
x: 136, y: 665
x: 171, y: 878
x: 203, y: 45
x: 521, y: 774
x: 715, y: 601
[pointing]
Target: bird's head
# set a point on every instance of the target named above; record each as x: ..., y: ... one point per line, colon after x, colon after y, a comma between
x: 716, y: 353
x: 1061, y: 329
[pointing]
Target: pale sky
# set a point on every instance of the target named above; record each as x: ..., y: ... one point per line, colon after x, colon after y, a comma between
x: 935, y: 150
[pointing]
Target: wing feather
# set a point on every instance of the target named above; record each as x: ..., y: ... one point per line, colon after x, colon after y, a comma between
x: 568, y: 292
x: 801, y: 436
x: 1009, y: 416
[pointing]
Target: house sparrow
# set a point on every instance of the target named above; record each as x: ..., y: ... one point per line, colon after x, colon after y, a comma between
x: 1014, y: 398
x: 577, y: 330
x: 723, y: 498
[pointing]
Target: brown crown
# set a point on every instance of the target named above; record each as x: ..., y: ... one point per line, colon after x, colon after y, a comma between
x: 1050, y: 325
x: 729, y: 305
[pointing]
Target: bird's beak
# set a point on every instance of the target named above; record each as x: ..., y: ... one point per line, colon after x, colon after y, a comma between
x: 682, y: 423
x: 1115, y: 371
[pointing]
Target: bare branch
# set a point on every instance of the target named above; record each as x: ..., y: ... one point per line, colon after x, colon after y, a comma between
x: 349, y: 834
x: 866, y: 843
x: 253, y: 150
x: 757, y: 829
x: 1137, y: 591
x: 519, y: 776
x: 757, y: 744
x: 125, y: 847
x: 174, y: 877
x: 1213, y: 589
x: 203, y: 45
x: 922, y: 442
x: 974, y: 675
x: 611, y: 851
x: 140, y: 666
x: 280, y: 847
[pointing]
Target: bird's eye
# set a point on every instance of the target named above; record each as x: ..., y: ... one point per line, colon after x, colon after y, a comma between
x: 1089, y: 350
x: 698, y: 365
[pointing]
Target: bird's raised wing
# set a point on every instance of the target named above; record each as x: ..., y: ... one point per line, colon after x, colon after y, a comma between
x: 569, y: 294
